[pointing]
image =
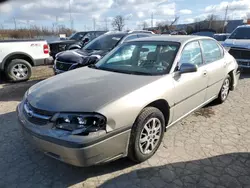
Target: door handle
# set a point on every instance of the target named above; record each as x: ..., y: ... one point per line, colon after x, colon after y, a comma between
x: 204, y: 73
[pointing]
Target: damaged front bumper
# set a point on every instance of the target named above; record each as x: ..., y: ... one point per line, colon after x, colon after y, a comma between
x: 75, y: 150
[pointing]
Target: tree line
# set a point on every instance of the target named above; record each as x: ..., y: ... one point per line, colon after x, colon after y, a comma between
x: 118, y: 23
x: 33, y: 32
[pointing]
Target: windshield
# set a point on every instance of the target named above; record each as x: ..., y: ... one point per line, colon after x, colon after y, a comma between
x: 143, y: 58
x: 241, y: 33
x: 220, y: 37
x: 104, y: 42
x: 77, y: 36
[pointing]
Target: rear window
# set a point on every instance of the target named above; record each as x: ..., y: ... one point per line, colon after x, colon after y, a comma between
x: 104, y: 42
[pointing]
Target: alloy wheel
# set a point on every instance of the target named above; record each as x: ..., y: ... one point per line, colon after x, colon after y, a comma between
x: 20, y: 71
x: 150, y: 135
x: 225, y: 89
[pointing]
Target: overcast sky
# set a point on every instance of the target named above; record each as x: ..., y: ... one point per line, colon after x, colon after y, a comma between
x: 49, y: 12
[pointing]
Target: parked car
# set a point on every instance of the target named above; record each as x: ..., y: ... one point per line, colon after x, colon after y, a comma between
x: 18, y: 56
x: 221, y: 36
x: 120, y: 106
x: 93, y: 51
x: 238, y: 45
x: 75, y: 41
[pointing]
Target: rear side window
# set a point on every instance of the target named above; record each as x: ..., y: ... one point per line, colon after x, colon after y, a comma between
x: 211, y: 51
x: 143, y: 35
x: 130, y: 38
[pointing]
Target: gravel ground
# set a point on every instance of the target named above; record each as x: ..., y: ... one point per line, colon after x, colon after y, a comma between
x: 210, y: 148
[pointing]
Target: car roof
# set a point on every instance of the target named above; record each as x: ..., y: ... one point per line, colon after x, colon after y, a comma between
x: 218, y: 34
x: 172, y: 38
x: 242, y: 26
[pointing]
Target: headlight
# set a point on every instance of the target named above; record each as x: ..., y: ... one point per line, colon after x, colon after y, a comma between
x: 227, y: 48
x: 80, y: 123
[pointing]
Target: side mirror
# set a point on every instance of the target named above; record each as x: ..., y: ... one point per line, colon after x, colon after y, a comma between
x: 86, y: 40
x: 188, y: 68
x: 81, y: 37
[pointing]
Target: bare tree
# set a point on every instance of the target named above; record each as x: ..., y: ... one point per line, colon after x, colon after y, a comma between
x: 118, y: 23
x: 163, y: 26
x: 144, y: 25
x: 176, y: 19
x: 211, y: 19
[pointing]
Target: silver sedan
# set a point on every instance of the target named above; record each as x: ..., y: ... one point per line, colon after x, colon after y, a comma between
x: 122, y: 105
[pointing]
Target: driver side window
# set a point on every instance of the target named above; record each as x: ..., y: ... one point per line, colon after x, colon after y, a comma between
x: 191, y: 54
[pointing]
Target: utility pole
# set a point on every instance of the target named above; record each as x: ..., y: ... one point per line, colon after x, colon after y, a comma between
x: 70, y: 16
x: 152, y: 19
x: 225, y: 19
x: 14, y: 20
x: 210, y: 21
x: 94, y: 23
x: 106, y: 24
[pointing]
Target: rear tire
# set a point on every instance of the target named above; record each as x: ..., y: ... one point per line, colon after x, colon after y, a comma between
x: 18, y: 70
x: 224, y: 92
x: 146, y: 135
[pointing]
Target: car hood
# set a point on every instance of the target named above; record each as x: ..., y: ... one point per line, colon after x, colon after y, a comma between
x: 84, y: 90
x: 237, y: 43
x: 79, y: 56
x: 63, y: 42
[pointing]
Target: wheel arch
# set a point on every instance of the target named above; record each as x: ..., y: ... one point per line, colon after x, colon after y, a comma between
x: 231, y: 74
x: 16, y: 55
x: 163, y: 106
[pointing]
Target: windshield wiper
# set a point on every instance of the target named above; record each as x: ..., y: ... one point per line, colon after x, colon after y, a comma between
x: 139, y: 73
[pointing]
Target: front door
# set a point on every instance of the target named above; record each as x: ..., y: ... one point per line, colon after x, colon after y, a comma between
x: 190, y: 88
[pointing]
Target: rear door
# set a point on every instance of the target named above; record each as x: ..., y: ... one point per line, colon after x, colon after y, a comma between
x: 215, y: 64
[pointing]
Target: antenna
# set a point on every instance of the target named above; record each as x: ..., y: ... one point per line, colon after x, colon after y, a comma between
x: 70, y: 16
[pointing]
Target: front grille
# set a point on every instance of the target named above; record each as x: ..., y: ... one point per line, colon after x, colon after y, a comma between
x: 36, y: 116
x: 240, y: 53
x: 63, y: 66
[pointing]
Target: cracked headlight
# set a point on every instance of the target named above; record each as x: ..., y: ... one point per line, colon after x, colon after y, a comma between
x: 80, y: 123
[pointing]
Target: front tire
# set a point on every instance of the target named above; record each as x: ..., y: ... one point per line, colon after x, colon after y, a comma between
x: 146, y: 135
x: 224, y: 92
x: 18, y: 70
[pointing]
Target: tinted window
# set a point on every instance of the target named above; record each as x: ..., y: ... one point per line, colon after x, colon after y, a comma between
x: 77, y: 36
x: 90, y: 36
x: 144, y: 58
x: 211, y: 51
x: 130, y: 38
x: 220, y: 37
x: 104, y: 42
x: 241, y: 33
x: 192, y: 54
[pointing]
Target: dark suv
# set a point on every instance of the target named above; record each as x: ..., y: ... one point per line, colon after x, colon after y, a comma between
x: 75, y: 41
x: 93, y: 51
